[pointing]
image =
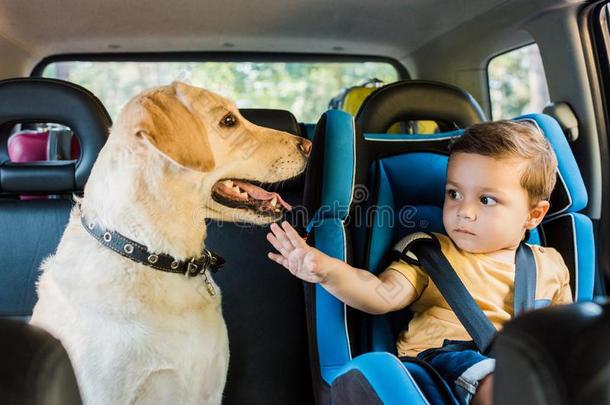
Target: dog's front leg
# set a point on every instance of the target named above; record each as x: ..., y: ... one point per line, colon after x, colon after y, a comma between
x: 161, y: 386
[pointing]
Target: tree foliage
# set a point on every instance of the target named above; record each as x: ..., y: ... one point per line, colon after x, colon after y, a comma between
x: 305, y: 89
x: 517, y: 83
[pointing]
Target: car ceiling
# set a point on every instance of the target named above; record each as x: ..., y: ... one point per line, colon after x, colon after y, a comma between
x: 421, y: 34
x: 388, y: 27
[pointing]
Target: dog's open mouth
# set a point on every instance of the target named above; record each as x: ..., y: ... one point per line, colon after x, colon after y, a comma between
x: 245, y: 195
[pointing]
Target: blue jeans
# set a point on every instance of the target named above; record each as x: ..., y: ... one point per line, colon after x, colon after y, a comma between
x: 461, y: 365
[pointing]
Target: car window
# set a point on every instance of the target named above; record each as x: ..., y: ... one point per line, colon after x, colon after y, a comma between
x: 517, y: 84
x: 305, y: 89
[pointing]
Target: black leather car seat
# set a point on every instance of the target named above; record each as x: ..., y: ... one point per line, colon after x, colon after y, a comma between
x: 558, y: 355
x: 32, y: 228
x: 262, y: 303
x: 35, y: 368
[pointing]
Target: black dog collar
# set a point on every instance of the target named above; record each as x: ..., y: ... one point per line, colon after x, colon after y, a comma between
x: 139, y: 253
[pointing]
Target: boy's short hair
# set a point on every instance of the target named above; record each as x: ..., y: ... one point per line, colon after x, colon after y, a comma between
x: 505, y: 139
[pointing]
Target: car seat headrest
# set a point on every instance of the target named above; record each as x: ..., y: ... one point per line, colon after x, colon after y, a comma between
x: 29, y: 100
x: 570, y: 194
x: 281, y: 120
x: 412, y: 100
x: 329, y: 182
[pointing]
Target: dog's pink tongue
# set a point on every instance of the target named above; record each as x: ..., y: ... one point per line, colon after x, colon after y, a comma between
x: 260, y: 194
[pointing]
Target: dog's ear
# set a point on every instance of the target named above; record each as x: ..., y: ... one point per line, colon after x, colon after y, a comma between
x: 171, y: 128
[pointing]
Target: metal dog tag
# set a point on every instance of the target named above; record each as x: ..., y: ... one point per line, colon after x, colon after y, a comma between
x: 208, y: 284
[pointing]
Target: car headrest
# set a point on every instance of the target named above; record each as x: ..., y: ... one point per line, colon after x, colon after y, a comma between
x: 281, y: 120
x: 412, y: 100
x: 556, y: 355
x: 329, y: 180
x: 570, y: 193
x: 29, y: 100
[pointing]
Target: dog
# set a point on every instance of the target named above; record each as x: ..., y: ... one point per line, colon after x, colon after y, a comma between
x: 176, y: 155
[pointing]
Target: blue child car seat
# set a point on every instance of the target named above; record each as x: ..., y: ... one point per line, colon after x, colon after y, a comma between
x: 404, y: 177
x: 340, y: 160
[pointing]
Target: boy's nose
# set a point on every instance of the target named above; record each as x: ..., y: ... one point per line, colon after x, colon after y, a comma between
x: 466, y: 212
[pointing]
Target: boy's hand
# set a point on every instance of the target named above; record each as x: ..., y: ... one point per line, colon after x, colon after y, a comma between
x: 302, y: 260
x: 353, y: 286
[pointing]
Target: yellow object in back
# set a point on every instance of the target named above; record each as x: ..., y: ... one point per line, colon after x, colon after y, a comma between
x: 354, y: 98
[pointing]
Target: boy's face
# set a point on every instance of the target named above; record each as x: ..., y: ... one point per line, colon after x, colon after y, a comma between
x: 486, y: 209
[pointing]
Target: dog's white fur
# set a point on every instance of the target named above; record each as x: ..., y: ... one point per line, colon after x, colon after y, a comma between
x: 135, y: 334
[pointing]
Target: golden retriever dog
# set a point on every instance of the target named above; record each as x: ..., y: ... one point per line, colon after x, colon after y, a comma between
x: 176, y: 155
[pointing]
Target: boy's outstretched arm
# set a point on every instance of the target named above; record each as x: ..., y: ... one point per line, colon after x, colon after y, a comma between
x: 357, y: 288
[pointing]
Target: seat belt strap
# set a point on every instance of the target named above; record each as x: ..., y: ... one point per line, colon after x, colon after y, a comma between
x: 525, y: 279
x: 429, y: 256
x: 434, y: 262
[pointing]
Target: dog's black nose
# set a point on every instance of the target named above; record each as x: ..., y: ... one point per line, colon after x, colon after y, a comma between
x: 304, y: 146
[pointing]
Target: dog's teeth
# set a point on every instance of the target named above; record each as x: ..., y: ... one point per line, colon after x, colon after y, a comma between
x: 277, y: 210
x: 243, y: 195
x: 228, y: 183
x: 236, y: 189
x: 274, y: 201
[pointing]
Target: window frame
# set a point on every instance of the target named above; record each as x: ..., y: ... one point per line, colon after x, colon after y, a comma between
x: 596, y: 43
x: 255, y: 57
x: 492, y: 57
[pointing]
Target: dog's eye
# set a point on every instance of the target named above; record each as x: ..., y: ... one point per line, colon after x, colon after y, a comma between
x: 228, y: 120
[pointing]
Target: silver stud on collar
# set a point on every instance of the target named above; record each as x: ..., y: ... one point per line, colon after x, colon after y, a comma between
x: 152, y: 259
x: 128, y: 248
x: 107, y: 237
x: 91, y: 225
x: 174, y: 265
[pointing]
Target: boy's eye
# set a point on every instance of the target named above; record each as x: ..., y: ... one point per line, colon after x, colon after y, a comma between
x: 486, y: 200
x: 454, y: 194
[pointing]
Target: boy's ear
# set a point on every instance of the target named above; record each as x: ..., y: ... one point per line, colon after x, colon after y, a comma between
x: 537, y: 213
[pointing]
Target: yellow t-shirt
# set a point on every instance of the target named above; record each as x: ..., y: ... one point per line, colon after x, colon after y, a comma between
x: 491, y: 284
